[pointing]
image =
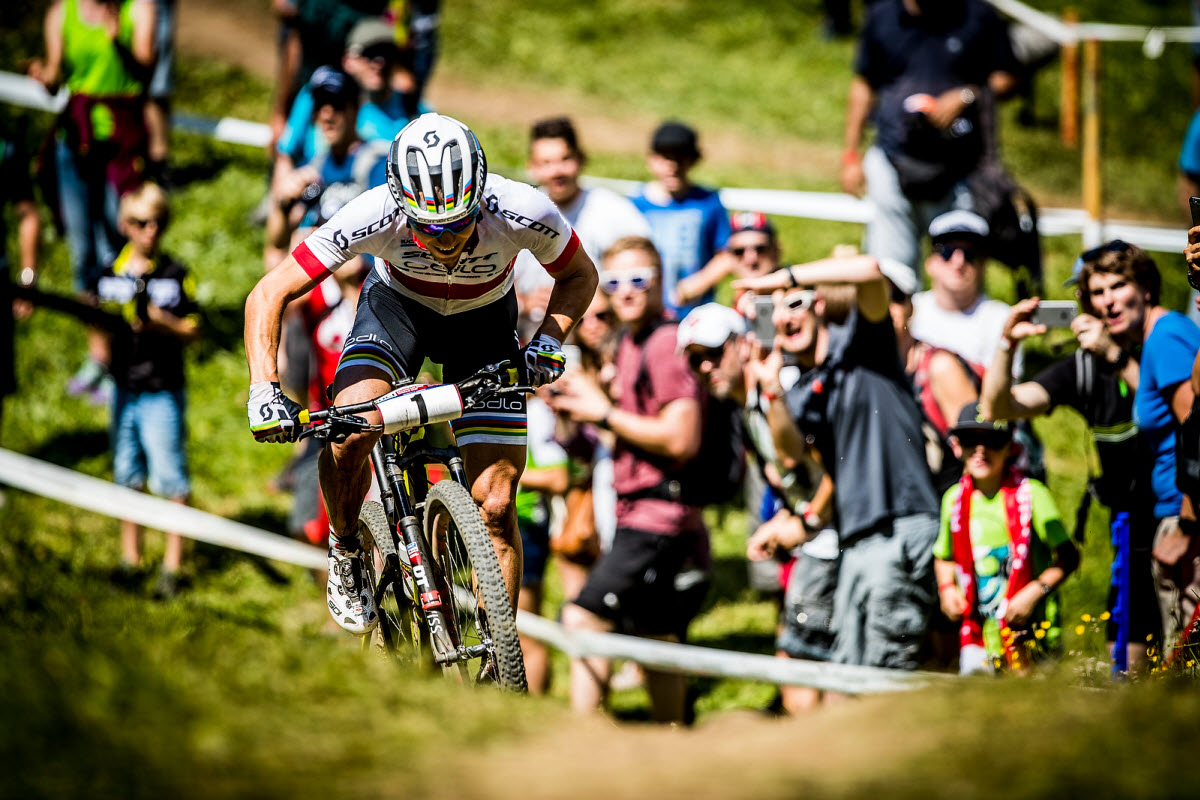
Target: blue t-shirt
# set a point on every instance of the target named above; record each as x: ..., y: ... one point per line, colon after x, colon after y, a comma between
x: 1189, y: 153
x: 1166, y: 362
x: 363, y: 168
x: 302, y: 142
x: 687, y: 233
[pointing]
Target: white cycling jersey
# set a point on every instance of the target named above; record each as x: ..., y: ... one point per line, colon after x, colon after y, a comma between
x: 513, y: 217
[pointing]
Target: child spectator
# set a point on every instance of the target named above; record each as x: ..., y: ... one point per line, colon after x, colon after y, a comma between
x: 689, y: 223
x: 1000, y: 553
x: 154, y: 294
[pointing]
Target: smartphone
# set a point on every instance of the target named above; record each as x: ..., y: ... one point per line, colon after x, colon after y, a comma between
x: 1055, y: 313
x: 1193, y: 275
x: 764, y: 325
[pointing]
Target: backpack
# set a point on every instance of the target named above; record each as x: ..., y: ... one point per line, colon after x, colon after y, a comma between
x: 714, y: 475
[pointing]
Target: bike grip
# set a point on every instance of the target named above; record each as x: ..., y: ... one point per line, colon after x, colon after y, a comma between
x: 303, y: 418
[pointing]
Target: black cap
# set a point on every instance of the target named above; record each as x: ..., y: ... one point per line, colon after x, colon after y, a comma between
x: 971, y: 419
x: 331, y: 85
x: 675, y: 140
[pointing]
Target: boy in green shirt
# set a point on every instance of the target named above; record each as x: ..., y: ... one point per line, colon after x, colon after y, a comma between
x: 1001, y: 552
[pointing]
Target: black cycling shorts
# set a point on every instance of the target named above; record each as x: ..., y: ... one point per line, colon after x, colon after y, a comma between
x: 394, y: 334
x: 646, y: 584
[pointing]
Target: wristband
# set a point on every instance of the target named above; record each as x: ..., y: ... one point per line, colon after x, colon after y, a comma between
x: 1005, y: 344
x: 1121, y: 361
x: 849, y: 156
x: 28, y: 277
x: 792, y: 282
x: 1045, y: 588
x: 949, y: 585
x: 603, y: 421
x: 1189, y: 527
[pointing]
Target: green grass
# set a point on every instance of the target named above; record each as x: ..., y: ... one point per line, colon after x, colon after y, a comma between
x: 235, y: 688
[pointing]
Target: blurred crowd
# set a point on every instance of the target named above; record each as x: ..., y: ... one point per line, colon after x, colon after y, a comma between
x: 870, y: 410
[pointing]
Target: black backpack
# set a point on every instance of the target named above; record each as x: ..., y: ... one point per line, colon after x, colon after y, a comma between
x: 714, y: 476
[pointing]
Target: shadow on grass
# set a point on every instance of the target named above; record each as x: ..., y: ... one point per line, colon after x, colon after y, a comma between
x: 68, y: 448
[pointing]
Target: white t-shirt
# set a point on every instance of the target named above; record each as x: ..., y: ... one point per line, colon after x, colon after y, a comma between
x: 599, y: 216
x: 973, y: 334
x: 514, y: 217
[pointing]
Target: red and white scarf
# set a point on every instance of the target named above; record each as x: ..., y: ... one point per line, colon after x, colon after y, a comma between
x: 1018, y: 514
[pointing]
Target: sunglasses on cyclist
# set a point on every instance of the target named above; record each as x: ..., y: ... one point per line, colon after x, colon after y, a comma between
x: 946, y: 252
x: 760, y: 249
x: 992, y: 440
x: 800, y: 300
x: 638, y: 279
x: 709, y: 355
x: 434, y: 231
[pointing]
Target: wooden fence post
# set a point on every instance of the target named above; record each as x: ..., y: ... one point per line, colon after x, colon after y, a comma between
x: 1068, y: 104
x: 1093, y: 195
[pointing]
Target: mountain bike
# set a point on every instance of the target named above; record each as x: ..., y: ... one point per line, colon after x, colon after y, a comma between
x: 438, y: 587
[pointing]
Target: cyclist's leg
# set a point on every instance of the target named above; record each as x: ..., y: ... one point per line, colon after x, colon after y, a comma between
x: 493, y: 471
x: 344, y: 468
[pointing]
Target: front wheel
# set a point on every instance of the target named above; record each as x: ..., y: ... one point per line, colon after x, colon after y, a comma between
x: 473, y: 589
x: 400, y: 628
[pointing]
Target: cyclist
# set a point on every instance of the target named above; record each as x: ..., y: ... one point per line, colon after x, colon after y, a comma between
x: 445, y: 234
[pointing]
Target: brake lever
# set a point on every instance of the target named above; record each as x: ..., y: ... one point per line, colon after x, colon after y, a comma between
x: 338, y: 428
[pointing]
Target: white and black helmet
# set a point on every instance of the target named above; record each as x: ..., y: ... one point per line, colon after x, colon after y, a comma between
x: 436, y: 170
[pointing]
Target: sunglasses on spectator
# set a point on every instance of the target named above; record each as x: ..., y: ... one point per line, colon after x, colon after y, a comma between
x: 142, y: 224
x: 709, y: 355
x: 946, y: 252
x: 760, y: 249
x: 603, y: 317
x: 992, y: 440
x: 434, y: 231
x: 800, y: 300
x: 638, y: 279
x: 379, y: 52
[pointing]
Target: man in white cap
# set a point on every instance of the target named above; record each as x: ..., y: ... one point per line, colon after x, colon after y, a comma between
x: 956, y: 314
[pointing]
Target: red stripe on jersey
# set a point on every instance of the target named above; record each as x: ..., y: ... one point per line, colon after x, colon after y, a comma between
x: 443, y: 291
x: 565, y: 257
x: 311, y: 265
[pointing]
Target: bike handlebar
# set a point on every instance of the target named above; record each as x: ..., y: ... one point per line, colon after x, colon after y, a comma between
x: 341, y: 421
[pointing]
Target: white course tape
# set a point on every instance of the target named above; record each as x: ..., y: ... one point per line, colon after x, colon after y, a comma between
x: 74, y: 488
x: 1064, y: 33
x: 102, y: 497
x: 693, y: 660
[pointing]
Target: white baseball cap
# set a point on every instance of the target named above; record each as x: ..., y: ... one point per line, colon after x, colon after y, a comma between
x: 710, y: 325
x: 959, y: 224
x: 902, y: 276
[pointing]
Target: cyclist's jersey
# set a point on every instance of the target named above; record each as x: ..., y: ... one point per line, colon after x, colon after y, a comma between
x: 513, y: 217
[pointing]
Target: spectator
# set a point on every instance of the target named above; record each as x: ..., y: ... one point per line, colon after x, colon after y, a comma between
x: 545, y: 476
x: 689, y: 223
x: 1189, y: 165
x: 102, y: 50
x: 371, y: 59
x: 1099, y: 381
x: 1001, y: 552
x: 346, y: 167
x: 600, y: 216
x: 942, y: 381
x: 856, y: 408
x: 752, y: 249
x: 16, y: 190
x: 921, y: 69
x: 660, y: 543
x: 1164, y: 399
x: 718, y: 348
x: 154, y: 292
x: 417, y: 23
x: 956, y: 314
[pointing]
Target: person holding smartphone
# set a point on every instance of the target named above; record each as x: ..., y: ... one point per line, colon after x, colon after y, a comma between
x: 1117, y: 285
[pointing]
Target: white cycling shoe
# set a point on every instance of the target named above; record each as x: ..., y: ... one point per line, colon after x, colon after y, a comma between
x: 348, y: 593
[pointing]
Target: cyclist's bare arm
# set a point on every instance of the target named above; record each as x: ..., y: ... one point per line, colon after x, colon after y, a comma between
x: 574, y: 287
x: 264, y: 316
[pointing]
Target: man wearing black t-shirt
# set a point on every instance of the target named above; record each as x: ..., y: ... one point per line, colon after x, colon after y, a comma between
x: 1099, y: 381
x: 922, y: 69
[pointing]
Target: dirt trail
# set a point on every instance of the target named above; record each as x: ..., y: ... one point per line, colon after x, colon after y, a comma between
x: 243, y: 33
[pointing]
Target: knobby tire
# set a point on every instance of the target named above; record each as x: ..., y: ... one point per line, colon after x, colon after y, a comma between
x: 398, y: 618
x: 477, y: 598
